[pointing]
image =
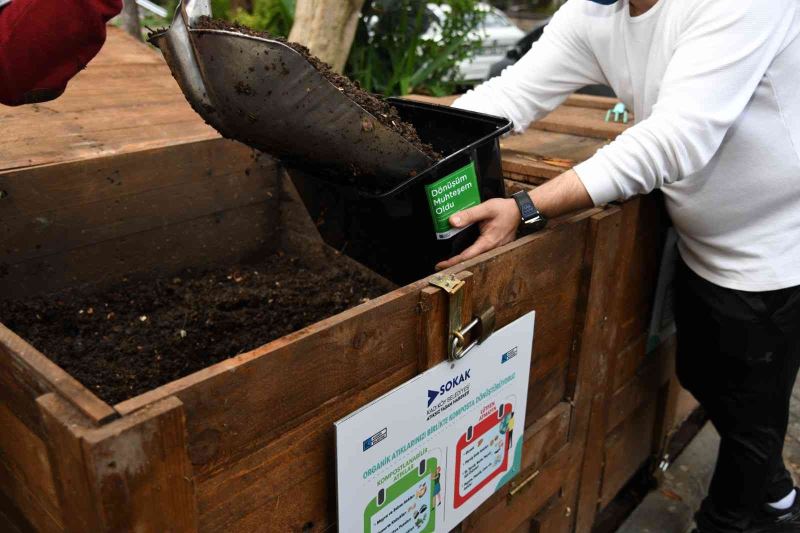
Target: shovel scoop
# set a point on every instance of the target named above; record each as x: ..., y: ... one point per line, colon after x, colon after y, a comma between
x: 268, y: 96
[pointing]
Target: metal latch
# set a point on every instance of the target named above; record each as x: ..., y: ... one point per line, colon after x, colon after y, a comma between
x: 458, y: 337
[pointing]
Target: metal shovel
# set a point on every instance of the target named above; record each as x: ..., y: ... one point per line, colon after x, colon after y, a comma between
x: 267, y: 95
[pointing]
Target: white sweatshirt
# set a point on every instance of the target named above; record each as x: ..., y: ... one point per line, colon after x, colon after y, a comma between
x: 715, y: 86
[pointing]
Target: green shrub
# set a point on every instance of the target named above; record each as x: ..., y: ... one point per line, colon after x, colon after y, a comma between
x: 273, y: 16
x: 390, y: 55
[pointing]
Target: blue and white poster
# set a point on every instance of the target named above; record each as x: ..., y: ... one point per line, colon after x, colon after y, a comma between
x: 424, y: 456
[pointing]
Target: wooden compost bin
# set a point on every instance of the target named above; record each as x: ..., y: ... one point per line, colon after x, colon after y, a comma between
x: 247, y: 444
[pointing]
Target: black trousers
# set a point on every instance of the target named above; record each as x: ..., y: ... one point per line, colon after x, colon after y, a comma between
x: 738, y: 354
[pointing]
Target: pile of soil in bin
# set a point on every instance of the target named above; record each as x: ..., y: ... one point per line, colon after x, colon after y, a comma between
x: 380, y: 109
x: 139, y: 334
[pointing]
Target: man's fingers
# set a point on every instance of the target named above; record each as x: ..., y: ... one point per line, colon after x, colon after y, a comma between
x: 468, y: 216
x: 480, y: 246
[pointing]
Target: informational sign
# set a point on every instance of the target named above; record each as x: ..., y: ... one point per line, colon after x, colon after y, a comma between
x: 451, y: 194
x: 424, y: 456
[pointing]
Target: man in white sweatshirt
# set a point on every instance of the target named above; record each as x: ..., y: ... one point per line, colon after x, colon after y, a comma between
x: 714, y: 86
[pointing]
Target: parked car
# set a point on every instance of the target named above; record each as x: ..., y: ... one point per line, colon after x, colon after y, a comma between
x: 496, y: 33
x: 524, y: 45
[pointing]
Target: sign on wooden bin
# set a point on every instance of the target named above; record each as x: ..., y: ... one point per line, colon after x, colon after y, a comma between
x: 424, y: 456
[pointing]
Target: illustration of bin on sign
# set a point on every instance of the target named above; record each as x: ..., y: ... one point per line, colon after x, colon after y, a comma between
x: 406, y: 506
x: 482, y: 453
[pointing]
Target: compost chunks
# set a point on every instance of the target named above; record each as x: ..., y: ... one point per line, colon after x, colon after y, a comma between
x: 141, y: 334
x: 380, y: 109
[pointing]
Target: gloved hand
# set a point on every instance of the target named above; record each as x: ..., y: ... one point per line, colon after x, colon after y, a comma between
x: 44, y: 43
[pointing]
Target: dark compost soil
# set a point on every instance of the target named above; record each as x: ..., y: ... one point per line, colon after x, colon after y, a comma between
x: 140, y: 334
x: 380, y: 109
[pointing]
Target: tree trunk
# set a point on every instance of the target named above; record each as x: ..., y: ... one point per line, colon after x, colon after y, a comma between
x: 327, y: 28
x: 129, y: 18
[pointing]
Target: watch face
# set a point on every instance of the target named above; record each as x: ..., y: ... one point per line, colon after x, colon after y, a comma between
x: 528, y: 211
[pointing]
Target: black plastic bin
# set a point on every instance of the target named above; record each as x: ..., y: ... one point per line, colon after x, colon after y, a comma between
x: 393, y: 232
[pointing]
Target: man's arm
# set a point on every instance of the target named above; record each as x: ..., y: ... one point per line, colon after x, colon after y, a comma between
x: 500, y: 217
x: 44, y: 43
x: 556, y: 66
x: 723, y: 54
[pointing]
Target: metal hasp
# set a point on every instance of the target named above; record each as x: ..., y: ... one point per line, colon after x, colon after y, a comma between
x: 458, y: 334
x: 265, y: 94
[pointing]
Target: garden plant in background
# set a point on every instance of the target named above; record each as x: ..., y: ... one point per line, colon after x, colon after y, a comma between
x: 273, y: 16
x: 402, y: 47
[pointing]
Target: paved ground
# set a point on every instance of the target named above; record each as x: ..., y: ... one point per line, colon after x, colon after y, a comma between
x: 669, y: 509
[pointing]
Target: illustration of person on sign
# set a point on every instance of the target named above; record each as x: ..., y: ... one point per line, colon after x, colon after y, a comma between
x: 437, y: 485
x: 507, y: 426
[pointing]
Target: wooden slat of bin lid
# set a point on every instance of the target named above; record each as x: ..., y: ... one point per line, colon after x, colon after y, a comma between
x: 125, y: 101
x: 580, y: 115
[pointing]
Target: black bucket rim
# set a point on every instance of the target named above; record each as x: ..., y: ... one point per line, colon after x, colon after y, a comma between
x: 502, y: 126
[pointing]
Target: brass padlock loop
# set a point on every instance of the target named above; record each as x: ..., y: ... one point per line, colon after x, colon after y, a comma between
x: 458, y: 345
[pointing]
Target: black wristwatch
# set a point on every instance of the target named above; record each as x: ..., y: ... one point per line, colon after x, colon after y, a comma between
x: 532, y: 219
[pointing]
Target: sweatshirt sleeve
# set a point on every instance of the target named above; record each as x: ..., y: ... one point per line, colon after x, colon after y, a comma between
x: 723, y: 52
x: 44, y: 43
x: 556, y: 65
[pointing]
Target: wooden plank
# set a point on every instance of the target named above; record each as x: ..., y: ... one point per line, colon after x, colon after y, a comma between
x: 627, y: 448
x: 434, y: 324
x: 140, y: 471
x: 434, y: 307
x: 20, y: 495
x: 582, y: 120
x: 644, y: 230
x: 591, y: 101
x: 592, y: 467
x: 642, y: 388
x: 11, y: 518
x: 290, y: 482
x: 577, y: 100
x: 531, y: 168
x: 101, y: 113
x: 33, y: 191
x: 24, y: 457
x: 556, y: 518
x: 26, y: 374
x: 204, y: 241
x: 65, y: 427
x: 546, y: 436
x: 546, y: 393
x: 593, y: 334
x: 132, y: 474
x: 593, y: 340
x: 53, y: 210
x: 560, y: 151
x: 628, y: 361
x: 513, y: 186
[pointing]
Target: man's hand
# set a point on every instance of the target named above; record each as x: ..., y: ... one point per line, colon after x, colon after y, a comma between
x: 498, y: 220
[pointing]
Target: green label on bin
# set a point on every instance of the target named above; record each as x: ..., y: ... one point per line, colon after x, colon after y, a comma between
x: 451, y: 194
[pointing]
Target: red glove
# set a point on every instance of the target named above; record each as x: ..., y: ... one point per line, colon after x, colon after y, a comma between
x: 44, y: 43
